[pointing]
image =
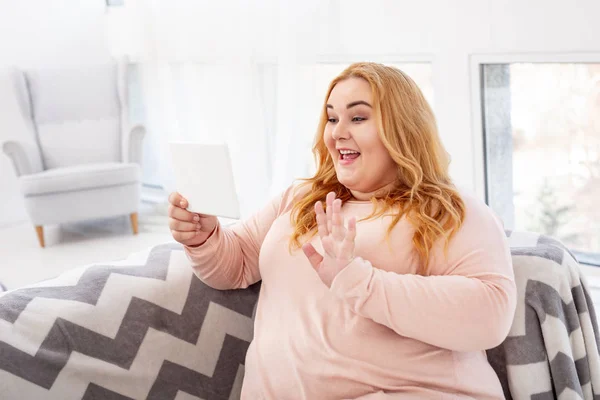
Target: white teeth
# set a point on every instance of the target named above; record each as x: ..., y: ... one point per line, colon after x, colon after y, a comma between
x: 348, y: 152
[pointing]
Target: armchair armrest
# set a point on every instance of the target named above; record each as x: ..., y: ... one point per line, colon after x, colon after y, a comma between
x: 133, y: 148
x: 22, y: 157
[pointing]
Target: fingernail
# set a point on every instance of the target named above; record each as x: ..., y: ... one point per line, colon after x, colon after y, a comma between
x: 182, y: 203
x: 196, y: 218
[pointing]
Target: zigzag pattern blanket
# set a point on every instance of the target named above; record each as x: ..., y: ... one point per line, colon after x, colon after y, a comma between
x: 144, y: 328
x: 147, y: 328
x: 552, y: 350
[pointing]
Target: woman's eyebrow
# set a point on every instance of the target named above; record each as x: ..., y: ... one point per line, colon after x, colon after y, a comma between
x: 353, y: 104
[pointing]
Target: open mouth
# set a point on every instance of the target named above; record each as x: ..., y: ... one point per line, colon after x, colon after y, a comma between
x: 348, y: 155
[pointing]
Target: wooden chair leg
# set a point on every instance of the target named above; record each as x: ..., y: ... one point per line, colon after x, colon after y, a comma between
x: 134, y: 222
x: 40, y: 234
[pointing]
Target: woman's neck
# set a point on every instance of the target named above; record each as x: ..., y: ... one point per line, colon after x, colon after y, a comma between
x: 365, y: 196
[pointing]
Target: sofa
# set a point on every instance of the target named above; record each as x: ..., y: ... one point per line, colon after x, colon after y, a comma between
x: 147, y: 328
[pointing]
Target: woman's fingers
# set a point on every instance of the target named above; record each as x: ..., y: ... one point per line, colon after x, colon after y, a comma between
x: 313, y: 256
x: 183, y: 226
x: 182, y: 215
x: 337, y: 240
x: 321, y: 220
x: 177, y: 200
x: 347, y: 248
x: 174, y: 198
x: 337, y: 222
x: 329, y: 200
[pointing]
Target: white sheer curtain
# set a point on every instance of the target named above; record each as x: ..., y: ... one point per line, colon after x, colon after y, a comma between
x: 239, y: 72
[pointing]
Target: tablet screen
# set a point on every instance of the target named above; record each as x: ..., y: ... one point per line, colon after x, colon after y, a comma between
x: 204, y: 177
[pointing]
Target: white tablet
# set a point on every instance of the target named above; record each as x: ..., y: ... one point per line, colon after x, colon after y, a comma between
x: 204, y: 177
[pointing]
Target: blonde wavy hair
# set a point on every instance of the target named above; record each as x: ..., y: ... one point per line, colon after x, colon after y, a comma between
x: 424, y: 192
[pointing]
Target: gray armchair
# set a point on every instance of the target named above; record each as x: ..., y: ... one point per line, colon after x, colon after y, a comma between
x: 83, y: 160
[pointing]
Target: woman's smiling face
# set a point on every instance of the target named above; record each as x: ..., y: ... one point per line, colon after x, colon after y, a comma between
x: 362, y: 163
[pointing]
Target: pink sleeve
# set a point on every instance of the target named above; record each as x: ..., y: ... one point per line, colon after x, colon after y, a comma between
x: 229, y: 258
x: 468, y: 305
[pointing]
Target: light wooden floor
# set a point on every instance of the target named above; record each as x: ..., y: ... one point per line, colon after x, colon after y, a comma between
x: 23, y: 262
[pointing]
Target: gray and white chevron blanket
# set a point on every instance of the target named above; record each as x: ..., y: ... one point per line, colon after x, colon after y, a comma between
x: 143, y: 328
x: 147, y: 328
x: 552, y: 350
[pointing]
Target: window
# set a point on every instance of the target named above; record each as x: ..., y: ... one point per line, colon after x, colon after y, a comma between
x: 542, y: 150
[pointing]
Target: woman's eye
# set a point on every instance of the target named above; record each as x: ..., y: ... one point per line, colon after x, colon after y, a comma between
x: 358, y: 119
x: 332, y: 120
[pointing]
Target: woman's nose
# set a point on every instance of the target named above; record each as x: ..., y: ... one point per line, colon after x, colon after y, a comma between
x: 340, y: 132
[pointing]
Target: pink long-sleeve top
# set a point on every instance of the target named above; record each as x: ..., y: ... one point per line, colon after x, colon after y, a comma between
x: 380, y: 331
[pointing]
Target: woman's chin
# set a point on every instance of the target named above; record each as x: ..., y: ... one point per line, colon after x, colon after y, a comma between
x: 346, y: 180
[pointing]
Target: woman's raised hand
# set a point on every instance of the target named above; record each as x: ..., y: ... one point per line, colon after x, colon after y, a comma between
x: 337, y: 240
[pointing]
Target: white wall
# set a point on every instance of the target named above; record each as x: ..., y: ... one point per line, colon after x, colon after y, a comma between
x: 40, y: 33
x: 37, y: 34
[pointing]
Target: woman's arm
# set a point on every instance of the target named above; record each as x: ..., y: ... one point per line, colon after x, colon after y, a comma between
x: 229, y: 257
x: 469, y: 306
